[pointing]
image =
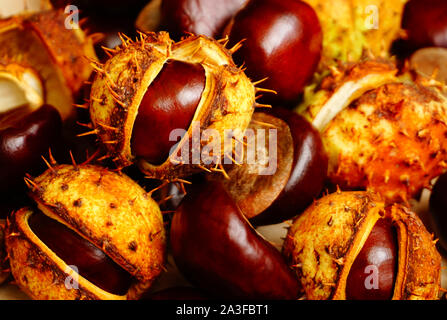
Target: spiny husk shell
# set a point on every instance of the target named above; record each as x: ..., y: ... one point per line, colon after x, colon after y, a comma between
x: 324, y: 241
x: 388, y: 136
x: 4, y: 273
x: 106, y: 208
x: 351, y: 27
x: 58, y: 54
x: 227, y: 101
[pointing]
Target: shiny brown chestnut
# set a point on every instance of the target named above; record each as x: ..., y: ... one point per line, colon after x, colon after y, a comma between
x: 282, y: 41
x: 373, y: 273
x: 301, y: 169
x: 25, y: 135
x: 425, y: 22
x: 205, y: 17
x: 169, y: 103
x: 218, y: 250
x: 90, y: 261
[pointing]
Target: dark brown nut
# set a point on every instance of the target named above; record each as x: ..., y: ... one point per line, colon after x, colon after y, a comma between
x: 326, y: 241
x: 107, y: 209
x: 217, y: 249
x: 26, y: 134
x: 282, y: 41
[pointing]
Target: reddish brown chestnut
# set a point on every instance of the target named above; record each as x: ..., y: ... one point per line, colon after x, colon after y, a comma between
x: 25, y: 135
x: 378, y: 258
x: 283, y: 41
x: 301, y: 169
x: 74, y: 250
x: 169, y: 103
x: 206, y: 17
x: 426, y: 23
x: 218, y: 250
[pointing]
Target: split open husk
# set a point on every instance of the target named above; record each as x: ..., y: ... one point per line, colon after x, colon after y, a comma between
x: 227, y: 102
x: 109, y: 210
x: 324, y: 241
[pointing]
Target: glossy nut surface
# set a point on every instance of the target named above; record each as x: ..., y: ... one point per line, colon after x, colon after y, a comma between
x: 373, y: 273
x: 24, y: 136
x: 219, y: 251
x: 206, y: 17
x: 283, y: 42
x: 169, y: 103
x: 91, y: 262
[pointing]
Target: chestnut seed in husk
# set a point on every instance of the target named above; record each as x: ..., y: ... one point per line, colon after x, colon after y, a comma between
x: 438, y: 210
x: 308, y: 173
x: 426, y: 23
x: 169, y: 103
x: 74, y: 250
x: 373, y: 273
x: 301, y: 168
x: 205, y: 17
x: 283, y: 41
x: 25, y: 135
x: 217, y: 249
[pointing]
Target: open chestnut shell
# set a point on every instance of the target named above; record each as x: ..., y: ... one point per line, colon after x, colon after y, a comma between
x: 301, y: 168
x: 121, y: 84
x: 217, y: 249
x: 109, y: 223
x: 382, y: 133
x: 331, y: 243
x: 59, y: 55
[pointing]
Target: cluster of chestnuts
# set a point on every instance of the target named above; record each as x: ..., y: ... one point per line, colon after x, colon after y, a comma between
x: 134, y: 133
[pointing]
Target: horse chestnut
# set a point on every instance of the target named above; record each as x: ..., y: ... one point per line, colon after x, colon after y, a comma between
x: 205, y: 17
x: 152, y: 86
x: 350, y: 245
x: 426, y: 23
x: 216, y: 248
x: 91, y: 262
x: 25, y: 135
x: 381, y: 134
x: 169, y: 103
x: 301, y: 169
x: 59, y: 55
x: 282, y: 41
x: 378, y: 254
x: 102, y: 222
